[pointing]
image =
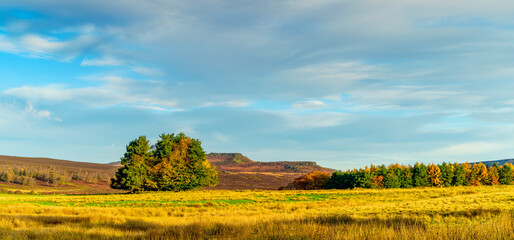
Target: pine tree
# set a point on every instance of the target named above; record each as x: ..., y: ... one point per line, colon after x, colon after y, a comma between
x: 341, y: 180
x: 506, y: 174
x: 405, y: 175
x: 363, y: 179
x: 391, y: 180
x: 420, y: 175
x: 134, y: 173
x: 447, y: 172
x: 467, y: 170
x: 459, y: 175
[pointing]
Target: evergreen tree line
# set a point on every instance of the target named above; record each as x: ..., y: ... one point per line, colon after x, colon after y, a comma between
x: 421, y: 175
x: 28, y: 174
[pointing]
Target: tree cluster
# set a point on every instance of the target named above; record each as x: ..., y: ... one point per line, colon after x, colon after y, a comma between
x: 174, y: 163
x: 420, y: 175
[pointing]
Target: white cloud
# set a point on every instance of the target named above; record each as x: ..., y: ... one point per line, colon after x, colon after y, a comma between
x: 101, y: 62
x: 7, y: 46
x: 309, y: 104
x: 334, y: 74
x: 236, y: 103
x: 112, y: 91
x: 40, y: 113
x: 36, y: 46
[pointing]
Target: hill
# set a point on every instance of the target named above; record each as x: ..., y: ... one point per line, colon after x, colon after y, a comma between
x: 499, y: 162
x: 53, y: 175
x: 235, y: 171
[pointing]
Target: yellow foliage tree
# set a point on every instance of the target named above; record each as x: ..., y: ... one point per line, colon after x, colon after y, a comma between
x: 434, y: 175
x: 494, y: 175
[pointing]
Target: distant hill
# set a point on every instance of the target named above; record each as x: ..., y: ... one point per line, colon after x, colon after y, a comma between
x: 220, y: 159
x: 83, y: 177
x: 499, y: 162
x: 235, y: 171
x: 58, y: 163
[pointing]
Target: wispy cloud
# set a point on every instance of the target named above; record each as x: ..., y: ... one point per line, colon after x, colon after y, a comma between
x: 112, y: 91
x: 309, y: 104
x: 40, y: 113
x: 101, y: 62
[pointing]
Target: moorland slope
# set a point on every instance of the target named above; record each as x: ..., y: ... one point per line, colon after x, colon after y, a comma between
x: 235, y: 171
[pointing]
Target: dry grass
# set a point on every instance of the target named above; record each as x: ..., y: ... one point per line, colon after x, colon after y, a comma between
x: 431, y: 213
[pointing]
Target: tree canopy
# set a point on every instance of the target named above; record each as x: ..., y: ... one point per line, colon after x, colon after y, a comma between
x: 174, y: 163
x: 421, y: 175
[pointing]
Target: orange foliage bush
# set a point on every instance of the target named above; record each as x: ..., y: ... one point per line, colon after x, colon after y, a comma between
x: 310, y: 181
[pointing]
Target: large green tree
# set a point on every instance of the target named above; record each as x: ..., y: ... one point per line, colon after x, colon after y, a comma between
x: 176, y: 163
x: 132, y: 175
x: 420, y: 175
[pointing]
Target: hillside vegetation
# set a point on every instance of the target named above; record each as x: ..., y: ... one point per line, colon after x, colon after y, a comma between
x: 235, y: 171
x: 484, y: 212
x: 51, y: 175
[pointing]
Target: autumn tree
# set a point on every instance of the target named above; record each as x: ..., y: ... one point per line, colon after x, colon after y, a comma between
x: 494, y: 174
x: 473, y: 175
x: 434, y: 175
x: 310, y: 181
x: 176, y: 163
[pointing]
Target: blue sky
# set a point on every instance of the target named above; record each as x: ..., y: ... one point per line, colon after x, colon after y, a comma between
x: 342, y: 83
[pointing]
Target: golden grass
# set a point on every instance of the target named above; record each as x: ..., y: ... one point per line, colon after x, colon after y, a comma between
x: 431, y: 213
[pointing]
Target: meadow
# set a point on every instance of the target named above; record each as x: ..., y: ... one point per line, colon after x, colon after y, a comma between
x: 484, y: 212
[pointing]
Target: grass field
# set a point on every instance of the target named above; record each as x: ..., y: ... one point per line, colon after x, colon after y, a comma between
x: 431, y: 213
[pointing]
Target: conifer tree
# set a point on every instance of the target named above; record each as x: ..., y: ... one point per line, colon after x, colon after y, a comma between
x: 482, y: 174
x: 391, y: 180
x: 363, y: 179
x: 434, y: 175
x: 506, y: 174
x: 494, y: 174
x: 133, y: 176
x: 405, y: 175
x: 420, y: 175
x: 447, y: 172
x: 459, y: 175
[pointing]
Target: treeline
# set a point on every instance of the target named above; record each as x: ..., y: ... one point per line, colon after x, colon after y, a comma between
x: 28, y: 174
x: 401, y: 176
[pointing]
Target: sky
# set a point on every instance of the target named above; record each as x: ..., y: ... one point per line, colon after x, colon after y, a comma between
x: 342, y: 83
